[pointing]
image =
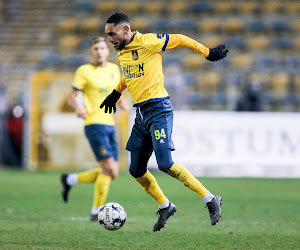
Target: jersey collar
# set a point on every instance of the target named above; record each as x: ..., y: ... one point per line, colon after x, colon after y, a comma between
x: 135, y: 32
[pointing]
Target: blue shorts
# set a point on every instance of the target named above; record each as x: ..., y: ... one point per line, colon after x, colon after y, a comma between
x: 103, y: 140
x: 152, y: 129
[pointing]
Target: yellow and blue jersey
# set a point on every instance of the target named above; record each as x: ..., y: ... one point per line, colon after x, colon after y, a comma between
x: 96, y: 83
x: 141, y: 64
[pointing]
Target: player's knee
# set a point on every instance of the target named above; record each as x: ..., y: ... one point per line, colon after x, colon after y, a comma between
x: 165, y: 166
x: 109, y: 172
x: 114, y: 175
x: 138, y: 164
x: 110, y: 167
x: 164, y: 159
x: 135, y: 172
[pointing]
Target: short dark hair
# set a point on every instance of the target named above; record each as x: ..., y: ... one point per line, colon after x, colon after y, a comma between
x: 97, y: 39
x: 118, y: 18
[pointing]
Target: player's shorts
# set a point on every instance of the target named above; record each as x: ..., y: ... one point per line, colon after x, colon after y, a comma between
x: 152, y: 129
x: 102, y: 139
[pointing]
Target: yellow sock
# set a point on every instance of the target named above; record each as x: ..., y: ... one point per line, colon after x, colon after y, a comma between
x: 88, y: 176
x: 101, y: 189
x: 183, y: 175
x: 150, y: 185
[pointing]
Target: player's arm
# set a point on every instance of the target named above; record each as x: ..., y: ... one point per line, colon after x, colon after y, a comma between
x: 110, y: 101
x: 214, y: 54
x: 122, y: 85
x: 80, y: 110
x: 78, y: 86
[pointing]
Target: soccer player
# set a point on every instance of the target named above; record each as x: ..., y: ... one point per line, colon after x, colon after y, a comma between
x: 96, y: 80
x: 141, y: 63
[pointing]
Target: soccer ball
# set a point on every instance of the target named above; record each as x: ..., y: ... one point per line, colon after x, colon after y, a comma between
x: 112, y: 216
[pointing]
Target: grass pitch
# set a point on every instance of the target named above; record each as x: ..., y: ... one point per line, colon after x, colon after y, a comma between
x: 257, y: 214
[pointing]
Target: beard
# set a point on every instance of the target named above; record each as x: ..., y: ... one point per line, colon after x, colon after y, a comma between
x: 121, y: 46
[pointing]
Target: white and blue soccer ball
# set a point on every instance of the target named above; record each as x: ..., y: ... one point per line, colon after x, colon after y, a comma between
x: 112, y: 216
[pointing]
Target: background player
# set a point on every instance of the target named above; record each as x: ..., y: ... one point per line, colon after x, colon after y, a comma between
x: 141, y: 62
x: 95, y: 80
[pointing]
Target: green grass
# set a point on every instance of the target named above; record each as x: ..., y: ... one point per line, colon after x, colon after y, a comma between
x: 257, y: 214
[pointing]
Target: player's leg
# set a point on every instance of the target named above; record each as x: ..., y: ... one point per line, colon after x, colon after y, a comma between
x: 70, y: 180
x: 107, y: 157
x: 101, y: 187
x: 166, y: 164
x: 141, y: 148
x: 161, y: 126
x: 213, y: 202
x: 138, y: 169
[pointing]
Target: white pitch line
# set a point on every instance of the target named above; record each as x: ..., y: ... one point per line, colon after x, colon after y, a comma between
x: 173, y: 220
x: 65, y: 218
x: 72, y: 218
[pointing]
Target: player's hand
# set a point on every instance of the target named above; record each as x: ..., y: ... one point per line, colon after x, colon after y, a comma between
x: 80, y: 112
x: 110, y: 101
x: 217, y: 53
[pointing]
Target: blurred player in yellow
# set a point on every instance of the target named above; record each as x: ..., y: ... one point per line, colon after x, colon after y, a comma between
x: 141, y: 63
x: 95, y: 80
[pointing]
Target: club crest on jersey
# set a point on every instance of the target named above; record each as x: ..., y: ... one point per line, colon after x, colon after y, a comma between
x: 161, y: 36
x: 135, y: 55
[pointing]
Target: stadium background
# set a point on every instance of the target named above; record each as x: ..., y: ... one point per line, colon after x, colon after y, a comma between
x: 43, y: 42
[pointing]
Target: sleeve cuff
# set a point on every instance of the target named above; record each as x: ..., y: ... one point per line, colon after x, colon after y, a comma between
x: 166, y: 42
x: 76, y: 88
